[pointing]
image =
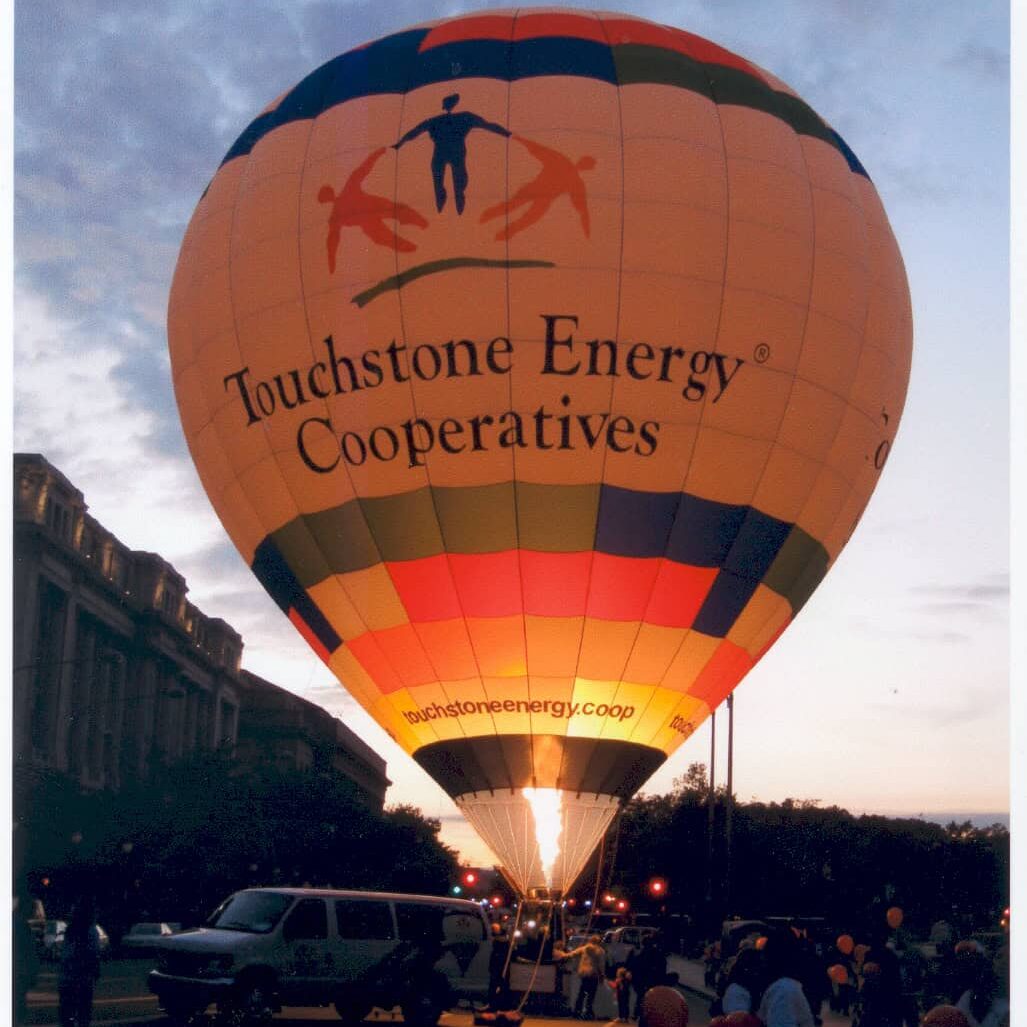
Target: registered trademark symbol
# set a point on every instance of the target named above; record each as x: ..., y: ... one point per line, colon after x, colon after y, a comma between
x: 761, y: 354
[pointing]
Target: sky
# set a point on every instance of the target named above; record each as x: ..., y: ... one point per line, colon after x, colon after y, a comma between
x: 889, y: 693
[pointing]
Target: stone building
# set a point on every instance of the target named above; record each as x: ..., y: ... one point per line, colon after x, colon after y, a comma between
x: 115, y: 670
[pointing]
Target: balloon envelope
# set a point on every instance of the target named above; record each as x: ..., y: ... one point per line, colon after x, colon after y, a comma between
x: 540, y: 364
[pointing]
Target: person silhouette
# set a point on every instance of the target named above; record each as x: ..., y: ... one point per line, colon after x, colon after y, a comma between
x: 352, y: 207
x: 558, y: 176
x: 449, y: 134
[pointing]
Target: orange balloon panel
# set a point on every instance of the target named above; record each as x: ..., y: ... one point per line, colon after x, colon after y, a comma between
x: 540, y: 364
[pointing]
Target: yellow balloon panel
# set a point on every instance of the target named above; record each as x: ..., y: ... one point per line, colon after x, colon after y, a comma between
x: 540, y: 364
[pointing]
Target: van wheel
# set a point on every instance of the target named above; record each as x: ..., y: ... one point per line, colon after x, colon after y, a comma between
x: 421, y: 1012
x: 182, y: 1015
x: 351, y: 1012
x: 251, y: 1005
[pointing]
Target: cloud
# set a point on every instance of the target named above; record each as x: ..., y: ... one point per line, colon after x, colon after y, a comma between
x: 987, y: 599
x: 70, y: 406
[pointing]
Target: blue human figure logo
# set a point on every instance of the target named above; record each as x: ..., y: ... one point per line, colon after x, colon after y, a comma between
x: 449, y: 132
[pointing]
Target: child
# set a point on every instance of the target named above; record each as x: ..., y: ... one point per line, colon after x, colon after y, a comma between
x: 621, y: 986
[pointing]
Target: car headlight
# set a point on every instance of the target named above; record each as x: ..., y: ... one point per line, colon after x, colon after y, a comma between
x: 217, y: 964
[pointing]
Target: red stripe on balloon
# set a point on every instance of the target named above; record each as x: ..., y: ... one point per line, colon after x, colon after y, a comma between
x: 627, y: 30
x: 484, y: 26
x: 448, y: 587
x: 609, y: 31
x: 559, y: 23
x: 312, y: 640
x: 678, y: 594
x: 620, y: 587
x: 425, y: 588
x: 555, y: 584
x: 725, y: 668
x: 489, y: 584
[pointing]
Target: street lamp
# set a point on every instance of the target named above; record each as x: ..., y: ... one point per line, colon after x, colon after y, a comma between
x: 657, y: 887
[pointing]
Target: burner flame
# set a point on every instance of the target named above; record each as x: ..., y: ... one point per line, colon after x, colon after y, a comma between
x: 546, y: 806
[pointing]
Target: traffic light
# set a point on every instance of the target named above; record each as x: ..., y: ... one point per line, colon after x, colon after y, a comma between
x: 657, y: 887
x: 470, y: 878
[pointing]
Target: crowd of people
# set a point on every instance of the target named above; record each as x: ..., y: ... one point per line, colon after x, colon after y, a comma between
x: 785, y: 979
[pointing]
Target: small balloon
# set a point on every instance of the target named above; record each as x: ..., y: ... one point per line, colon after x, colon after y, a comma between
x: 740, y: 1018
x: 971, y: 946
x: 838, y: 974
x: 664, y: 1007
x: 845, y: 944
x: 945, y: 1016
x: 894, y: 917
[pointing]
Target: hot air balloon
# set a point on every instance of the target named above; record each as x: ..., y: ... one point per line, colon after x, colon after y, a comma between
x: 540, y: 364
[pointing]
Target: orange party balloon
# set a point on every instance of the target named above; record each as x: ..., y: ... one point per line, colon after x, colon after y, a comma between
x: 740, y: 1018
x: 845, y: 944
x: 838, y: 974
x: 945, y: 1016
x: 540, y: 364
x: 894, y: 917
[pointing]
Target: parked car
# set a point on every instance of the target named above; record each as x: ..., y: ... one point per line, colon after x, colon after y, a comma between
x: 621, y: 942
x: 145, y: 938
x: 265, y: 948
x: 53, y: 939
x: 36, y: 919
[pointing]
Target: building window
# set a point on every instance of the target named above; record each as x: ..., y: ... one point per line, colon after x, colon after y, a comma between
x: 58, y: 518
x: 53, y: 606
x: 227, y: 714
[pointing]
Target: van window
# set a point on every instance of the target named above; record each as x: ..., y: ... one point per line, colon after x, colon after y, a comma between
x: 419, y: 922
x: 307, y: 920
x: 254, y: 911
x: 357, y: 918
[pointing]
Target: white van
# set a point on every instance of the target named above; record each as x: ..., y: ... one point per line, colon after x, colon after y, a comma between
x: 265, y: 948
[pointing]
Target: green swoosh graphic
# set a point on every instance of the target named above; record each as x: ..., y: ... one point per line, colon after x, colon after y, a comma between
x: 434, y: 267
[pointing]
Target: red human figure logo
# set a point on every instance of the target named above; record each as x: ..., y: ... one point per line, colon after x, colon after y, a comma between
x: 354, y: 208
x: 558, y: 176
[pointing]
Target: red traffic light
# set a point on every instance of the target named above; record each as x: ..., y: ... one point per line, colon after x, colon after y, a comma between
x: 470, y: 878
x: 657, y: 886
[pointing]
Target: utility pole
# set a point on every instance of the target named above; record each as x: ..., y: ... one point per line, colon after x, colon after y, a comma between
x: 710, y: 825
x: 730, y: 802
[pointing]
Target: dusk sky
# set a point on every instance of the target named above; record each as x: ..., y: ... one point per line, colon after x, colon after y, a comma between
x: 889, y: 693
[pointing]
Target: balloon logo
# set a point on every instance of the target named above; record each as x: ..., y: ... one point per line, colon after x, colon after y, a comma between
x: 540, y: 365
